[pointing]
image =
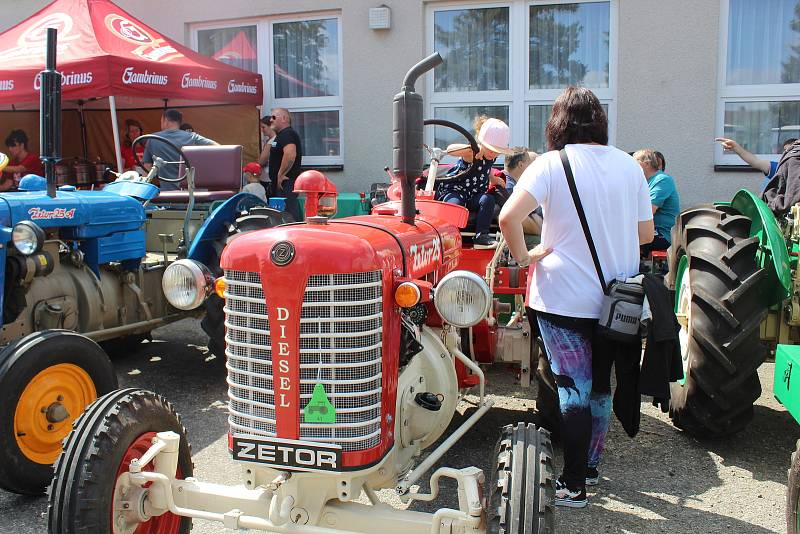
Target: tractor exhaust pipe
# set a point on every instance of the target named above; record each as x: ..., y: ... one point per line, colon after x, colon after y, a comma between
x: 407, y: 134
x: 50, y: 115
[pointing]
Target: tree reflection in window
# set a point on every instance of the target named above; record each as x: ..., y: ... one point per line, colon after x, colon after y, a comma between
x: 474, y: 45
x: 569, y: 45
x: 306, y: 58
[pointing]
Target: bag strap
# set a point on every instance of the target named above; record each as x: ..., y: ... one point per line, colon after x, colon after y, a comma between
x: 582, y: 216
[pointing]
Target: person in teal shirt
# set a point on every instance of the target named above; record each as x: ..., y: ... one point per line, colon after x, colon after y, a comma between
x: 663, y: 196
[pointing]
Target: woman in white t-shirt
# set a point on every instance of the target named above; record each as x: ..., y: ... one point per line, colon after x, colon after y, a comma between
x: 565, y: 293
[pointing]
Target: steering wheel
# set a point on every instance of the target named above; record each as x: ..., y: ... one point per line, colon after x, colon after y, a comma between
x: 437, y: 153
x: 180, y: 152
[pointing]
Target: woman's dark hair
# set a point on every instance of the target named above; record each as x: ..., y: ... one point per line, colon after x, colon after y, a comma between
x: 662, y: 162
x: 17, y: 137
x: 266, y: 120
x: 128, y: 124
x: 577, y: 117
x: 186, y: 126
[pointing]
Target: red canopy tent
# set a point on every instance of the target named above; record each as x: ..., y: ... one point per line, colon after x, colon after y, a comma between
x: 105, y: 52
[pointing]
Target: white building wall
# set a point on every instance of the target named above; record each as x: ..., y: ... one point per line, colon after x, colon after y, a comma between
x: 668, y: 58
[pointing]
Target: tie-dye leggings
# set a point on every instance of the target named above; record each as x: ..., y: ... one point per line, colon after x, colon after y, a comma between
x: 585, y: 411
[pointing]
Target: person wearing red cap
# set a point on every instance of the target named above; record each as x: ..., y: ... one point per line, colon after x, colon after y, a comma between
x: 252, y: 175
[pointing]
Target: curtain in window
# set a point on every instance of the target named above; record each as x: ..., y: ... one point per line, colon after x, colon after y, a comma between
x: 234, y: 46
x: 474, y: 45
x: 319, y: 132
x: 306, y: 58
x: 763, y: 42
x: 569, y: 45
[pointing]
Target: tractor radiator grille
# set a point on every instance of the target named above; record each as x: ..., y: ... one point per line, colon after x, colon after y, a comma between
x: 340, y: 348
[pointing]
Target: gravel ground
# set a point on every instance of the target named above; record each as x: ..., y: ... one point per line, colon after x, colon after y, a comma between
x: 661, y: 481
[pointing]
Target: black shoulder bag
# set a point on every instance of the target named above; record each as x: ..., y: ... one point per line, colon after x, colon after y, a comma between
x: 620, y: 316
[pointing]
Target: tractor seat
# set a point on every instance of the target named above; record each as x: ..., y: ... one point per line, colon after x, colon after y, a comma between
x: 217, y: 174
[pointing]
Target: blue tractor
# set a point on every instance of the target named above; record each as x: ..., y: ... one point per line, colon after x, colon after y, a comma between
x: 81, y: 268
x: 78, y: 268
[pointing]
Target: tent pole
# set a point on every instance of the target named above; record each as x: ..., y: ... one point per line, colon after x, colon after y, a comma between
x: 83, y: 131
x: 112, y: 104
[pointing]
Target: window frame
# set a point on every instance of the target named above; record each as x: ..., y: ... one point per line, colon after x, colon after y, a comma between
x: 519, y: 96
x: 266, y: 63
x: 784, y: 92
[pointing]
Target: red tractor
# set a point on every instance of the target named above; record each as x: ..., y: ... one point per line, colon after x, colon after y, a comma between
x: 345, y: 361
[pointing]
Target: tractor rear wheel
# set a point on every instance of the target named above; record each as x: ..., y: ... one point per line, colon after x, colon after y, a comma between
x: 87, y: 484
x: 521, y: 489
x: 47, y: 379
x: 719, y: 306
x: 793, y: 494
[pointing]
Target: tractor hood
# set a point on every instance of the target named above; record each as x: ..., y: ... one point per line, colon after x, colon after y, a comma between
x: 80, y: 214
x: 431, y: 248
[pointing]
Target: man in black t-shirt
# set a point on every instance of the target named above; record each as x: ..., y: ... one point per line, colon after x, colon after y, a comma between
x: 285, y: 158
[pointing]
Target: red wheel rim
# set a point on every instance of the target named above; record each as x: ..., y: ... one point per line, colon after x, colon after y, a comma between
x: 167, y: 523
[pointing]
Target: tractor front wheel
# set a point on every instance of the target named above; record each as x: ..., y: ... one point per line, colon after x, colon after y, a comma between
x: 89, y: 489
x: 720, y: 308
x: 213, y: 322
x: 521, y: 489
x: 47, y: 379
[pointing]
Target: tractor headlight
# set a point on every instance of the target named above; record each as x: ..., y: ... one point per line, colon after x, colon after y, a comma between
x: 462, y: 299
x: 186, y: 284
x: 27, y: 237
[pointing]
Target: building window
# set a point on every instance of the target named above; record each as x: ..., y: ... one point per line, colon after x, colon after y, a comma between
x: 306, y: 79
x: 306, y: 58
x: 760, y: 76
x: 512, y: 59
x: 474, y: 44
x: 300, y: 60
x: 237, y: 46
x: 568, y: 45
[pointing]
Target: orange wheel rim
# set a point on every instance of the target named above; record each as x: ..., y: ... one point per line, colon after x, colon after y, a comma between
x: 48, y: 405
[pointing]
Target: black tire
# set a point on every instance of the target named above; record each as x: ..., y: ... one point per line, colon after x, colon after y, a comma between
x: 81, y: 493
x: 793, y: 493
x: 724, y: 350
x: 521, y: 489
x: 20, y: 363
x: 123, y: 345
x: 213, y: 322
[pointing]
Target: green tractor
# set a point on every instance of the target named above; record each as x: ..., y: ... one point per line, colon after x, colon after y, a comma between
x: 734, y: 270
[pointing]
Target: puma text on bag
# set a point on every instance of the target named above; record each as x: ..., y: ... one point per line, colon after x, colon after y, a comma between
x: 620, y: 316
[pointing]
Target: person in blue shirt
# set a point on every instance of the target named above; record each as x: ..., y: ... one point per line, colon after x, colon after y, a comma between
x: 769, y: 168
x: 663, y: 197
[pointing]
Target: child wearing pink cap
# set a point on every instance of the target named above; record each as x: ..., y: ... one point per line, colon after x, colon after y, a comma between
x: 471, y: 189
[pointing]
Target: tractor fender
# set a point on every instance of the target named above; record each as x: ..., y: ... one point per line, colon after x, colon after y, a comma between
x: 215, y: 227
x: 20, y: 347
x: 772, y: 255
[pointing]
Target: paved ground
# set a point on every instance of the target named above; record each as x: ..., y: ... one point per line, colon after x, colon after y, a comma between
x: 662, y: 481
